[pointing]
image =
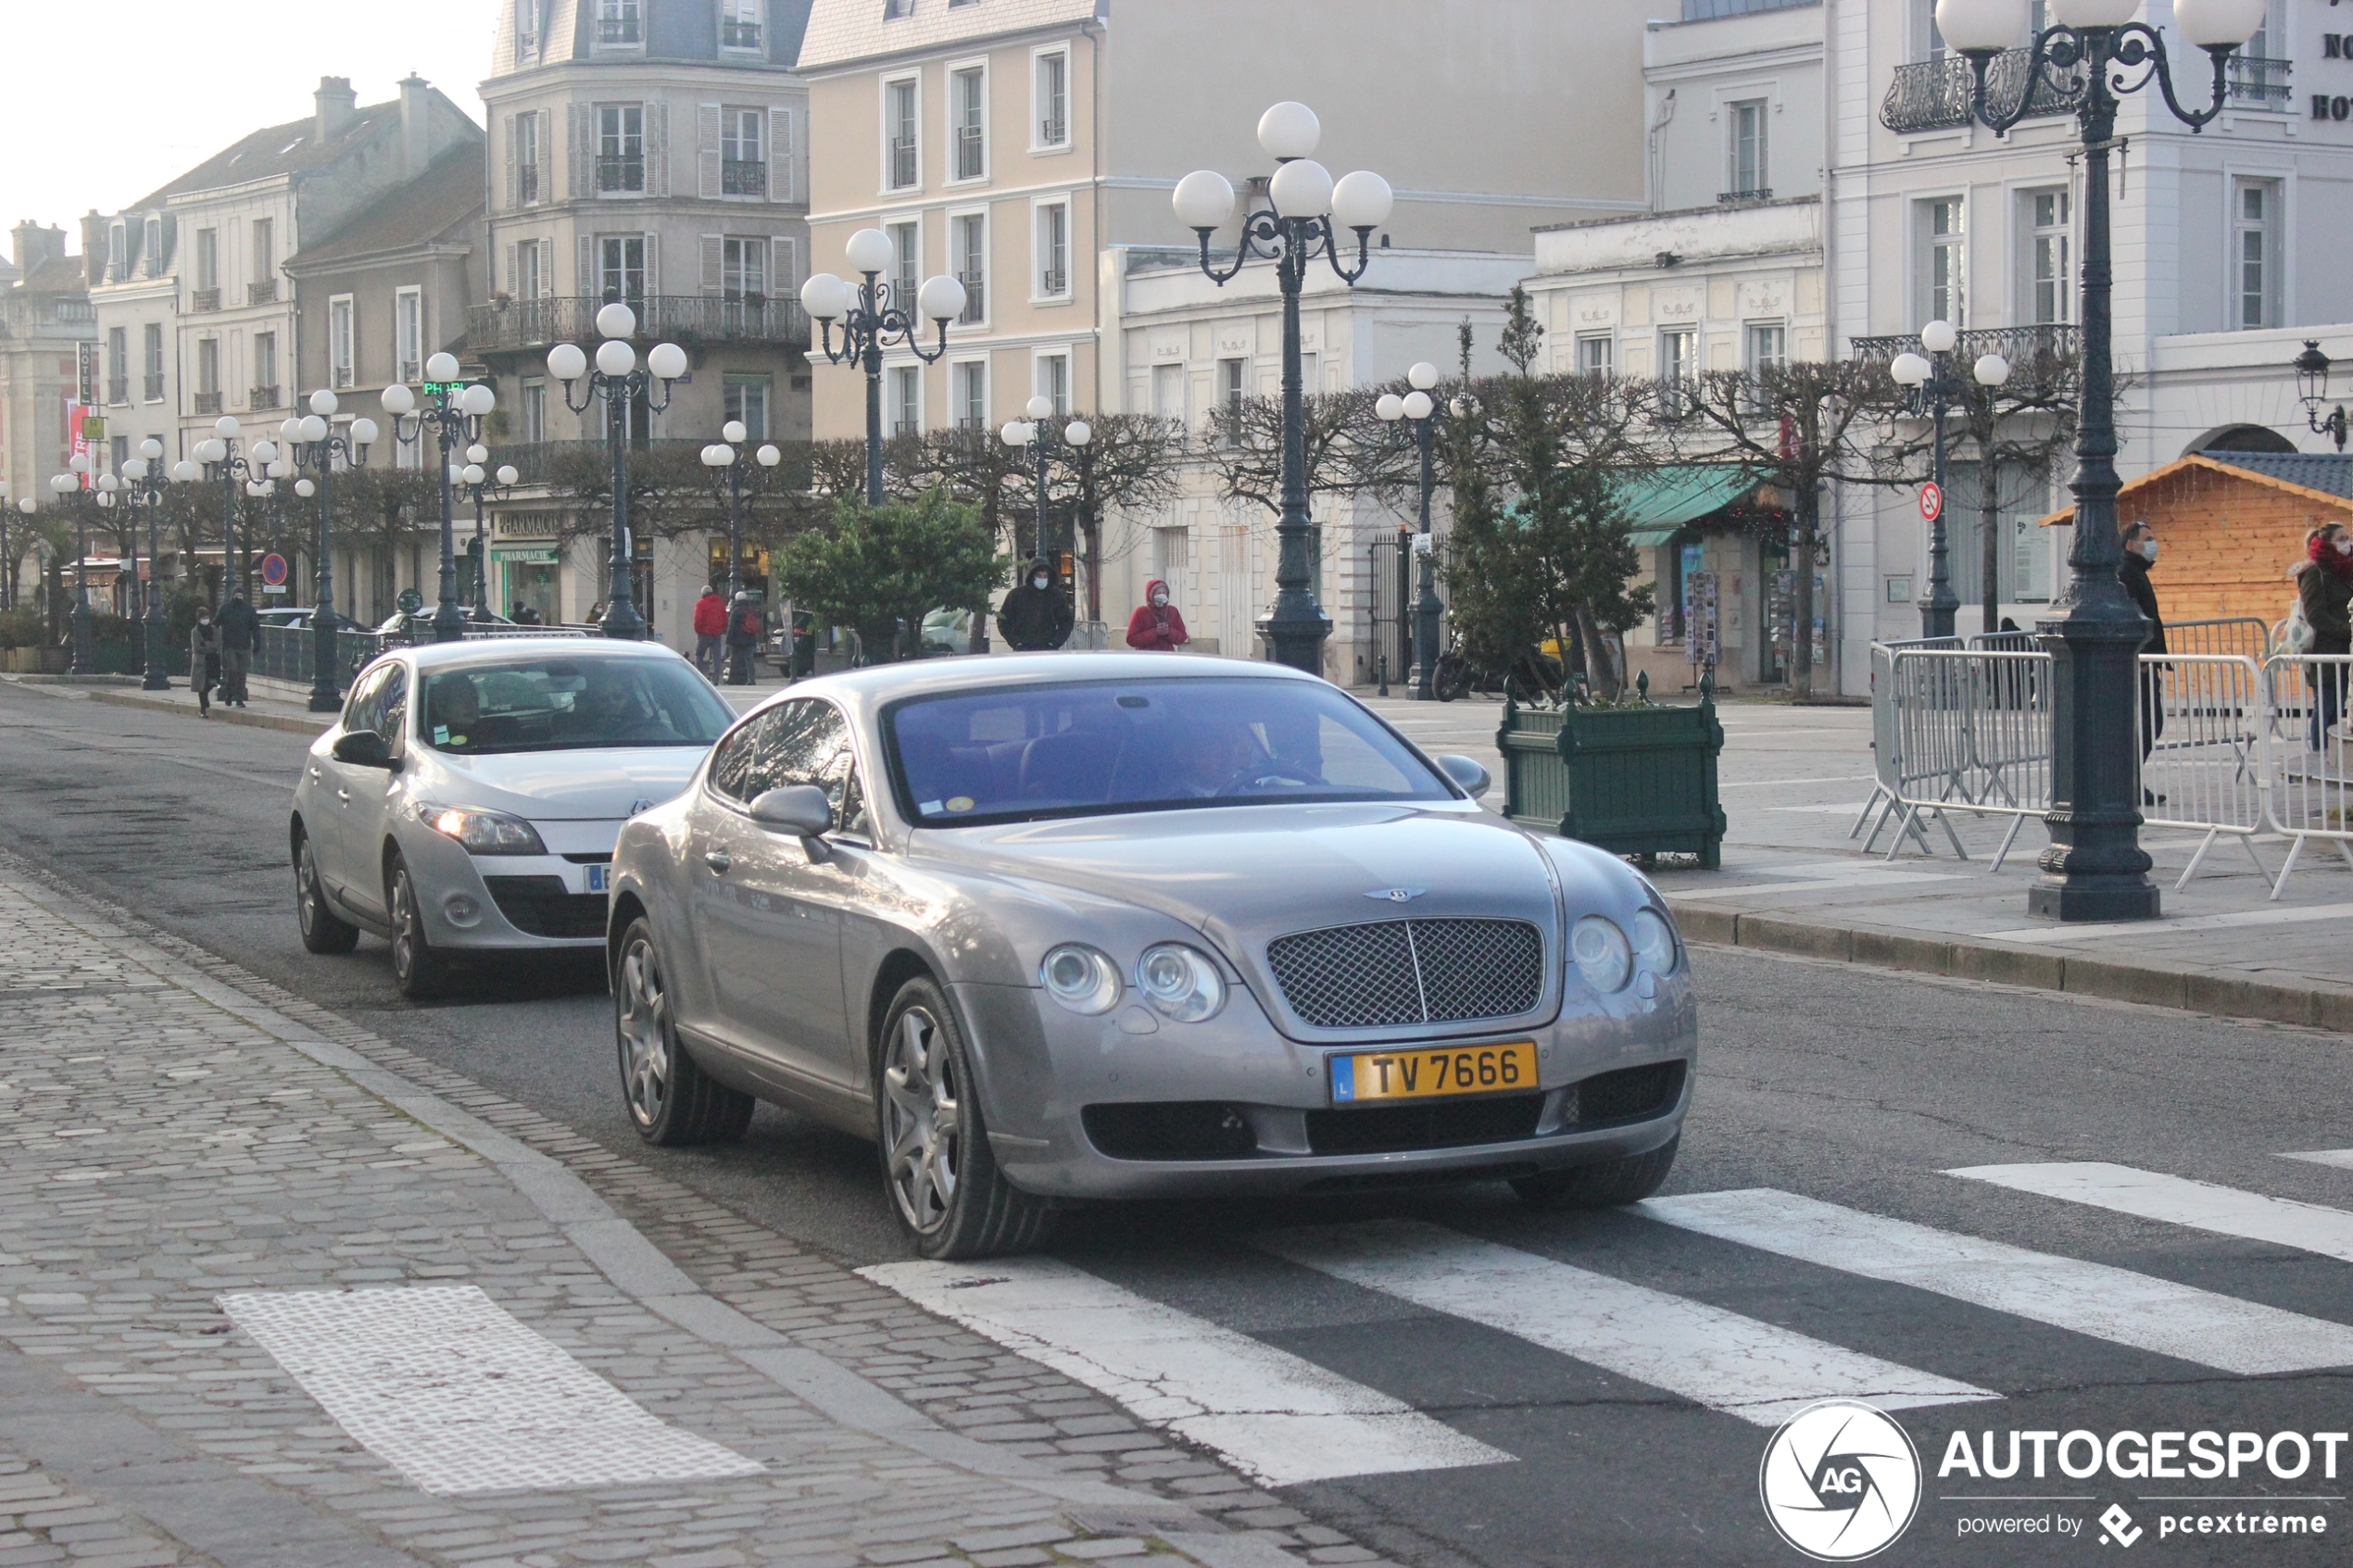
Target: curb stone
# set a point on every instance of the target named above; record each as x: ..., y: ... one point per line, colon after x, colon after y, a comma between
x: 291, y: 725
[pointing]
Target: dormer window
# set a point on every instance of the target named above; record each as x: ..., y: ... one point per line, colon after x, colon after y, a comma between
x: 527, y: 27
x: 741, y: 24
x: 118, y: 251
x: 620, y: 21
x: 894, y: 9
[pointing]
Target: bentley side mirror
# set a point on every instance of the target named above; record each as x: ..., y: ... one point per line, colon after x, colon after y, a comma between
x: 1467, y: 772
x: 365, y: 749
x: 800, y: 810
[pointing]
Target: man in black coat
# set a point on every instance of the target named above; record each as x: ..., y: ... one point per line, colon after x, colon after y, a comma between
x: 240, y: 634
x: 2140, y: 554
x: 1035, y: 617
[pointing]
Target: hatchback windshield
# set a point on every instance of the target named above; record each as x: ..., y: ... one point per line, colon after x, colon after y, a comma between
x: 568, y: 703
x: 1079, y: 750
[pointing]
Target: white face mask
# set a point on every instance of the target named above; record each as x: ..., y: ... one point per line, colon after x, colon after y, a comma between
x: 1036, y: 581
x: 2344, y: 546
x: 2149, y: 551
x: 1159, y: 600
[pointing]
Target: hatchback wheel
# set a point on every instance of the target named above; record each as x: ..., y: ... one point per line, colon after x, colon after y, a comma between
x: 322, y: 931
x: 672, y: 1100
x: 422, y: 973
x: 951, y: 1200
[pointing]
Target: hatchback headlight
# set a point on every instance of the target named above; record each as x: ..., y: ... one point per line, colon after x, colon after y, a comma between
x: 1181, y: 981
x: 483, y: 832
x: 1655, y: 946
x: 1081, y: 978
x: 1604, y: 957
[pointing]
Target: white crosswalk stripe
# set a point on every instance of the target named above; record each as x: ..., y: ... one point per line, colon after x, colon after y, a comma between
x: 1756, y: 1371
x: 1279, y: 1417
x: 2152, y: 1195
x: 2340, y: 1158
x: 2091, y: 1298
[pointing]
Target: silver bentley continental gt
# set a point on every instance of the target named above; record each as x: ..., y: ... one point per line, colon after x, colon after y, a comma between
x: 1070, y: 927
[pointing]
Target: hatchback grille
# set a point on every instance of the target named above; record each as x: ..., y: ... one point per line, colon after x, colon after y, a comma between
x: 1444, y: 1124
x: 542, y: 906
x: 1410, y: 971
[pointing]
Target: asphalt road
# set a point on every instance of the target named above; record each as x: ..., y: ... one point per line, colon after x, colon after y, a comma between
x: 1844, y: 1085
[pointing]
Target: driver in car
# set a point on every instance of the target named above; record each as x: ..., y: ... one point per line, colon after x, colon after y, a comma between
x: 1218, y: 755
x: 454, y: 712
x: 611, y: 711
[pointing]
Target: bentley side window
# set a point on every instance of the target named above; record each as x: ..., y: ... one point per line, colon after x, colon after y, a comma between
x: 793, y: 743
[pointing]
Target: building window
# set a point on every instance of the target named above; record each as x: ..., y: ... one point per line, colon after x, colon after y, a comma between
x: 620, y: 149
x: 1747, y: 150
x: 907, y: 261
x: 620, y: 22
x: 1168, y: 393
x: 527, y: 27
x: 207, y: 285
x: 1232, y: 377
x: 1594, y: 355
x: 534, y: 419
x: 526, y: 159
x: 743, y: 267
x: 906, y: 400
x: 1944, y: 261
x: 117, y: 364
x: 621, y: 269
x: 265, y: 372
x: 743, y: 164
x: 152, y: 356
x: 151, y: 247
x: 1052, y: 101
x: 895, y: 9
x: 342, y: 368
x: 1768, y: 347
x: 2049, y: 275
x: 2255, y: 253
x: 209, y: 375
x: 902, y: 167
x: 747, y: 401
x: 1678, y: 368
x: 1053, y: 381
x: 967, y: 99
x: 1054, y: 250
x: 971, y: 395
x: 264, y: 285
x: 1928, y: 43
x: 530, y: 279
x: 740, y: 24
x: 971, y: 266
x: 118, y: 247
x: 408, y: 336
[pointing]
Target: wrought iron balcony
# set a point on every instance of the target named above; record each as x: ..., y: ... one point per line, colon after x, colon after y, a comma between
x: 968, y: 152
x: 2255, y: 81
x: 2025, y: 348
x: 902, y: 162
x: 619, y: 27
x: 1053, y: 283
x: 1052, y: 132
x: 263, y: 397
x: 513, y: 324
x: 119, y: 389
x: 975, y: 298
x: 263, y: 293
x: 1758, y: 194
x: 526, y: 183
x: 742, y: 177
x: 1934, y: 94
x: 203, y: 300
x: 208, y: 402
x: 621, y: 176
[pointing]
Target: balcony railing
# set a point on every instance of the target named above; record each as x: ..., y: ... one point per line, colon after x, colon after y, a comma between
x: 262, y: 397
x: 201, y: 300
x: 968, y: 152
x: 535, y: 324
x: 902, y: 162
x: 1758, y: 194
x: 119, y: 389
x: 264, y: 293
x: 526, y: 185
x: 343, y: 376
x: 2029, y: 349
x: 2257, y: 82
x: 617, y: 176
x: 1052, y: 132
x: 619, y: 28
x: 1053, y: 283
x: 975, y: 298
x: 1934, y: 94
x: 208, y: 402
x: 742, y: 177
x: 737, y: 33
x: 153, y: 386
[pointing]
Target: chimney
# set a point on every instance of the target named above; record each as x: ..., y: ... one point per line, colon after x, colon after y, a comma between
x: 34, y: 244
x: 338, y: 107
x: 94, y: 246
x: 416, y: 125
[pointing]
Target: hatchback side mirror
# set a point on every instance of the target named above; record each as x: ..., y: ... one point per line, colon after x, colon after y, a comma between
x: 365, y: 749
x: 1466, y: 771
x: 800, y: 810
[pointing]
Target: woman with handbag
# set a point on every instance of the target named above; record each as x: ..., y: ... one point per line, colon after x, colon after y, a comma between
x: 2324, y: 591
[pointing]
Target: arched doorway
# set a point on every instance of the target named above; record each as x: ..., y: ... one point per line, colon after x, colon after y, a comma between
x: 2240, y: 438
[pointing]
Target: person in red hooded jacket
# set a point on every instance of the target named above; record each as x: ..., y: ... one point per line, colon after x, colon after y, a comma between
x: 710, y: 625
x: 1156, y: 625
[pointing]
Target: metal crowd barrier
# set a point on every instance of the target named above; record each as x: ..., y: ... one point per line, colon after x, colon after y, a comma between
x: 1885, y: 752
x: 2313, y: 797
x: 2209, y: 766
x: 1972, y: 734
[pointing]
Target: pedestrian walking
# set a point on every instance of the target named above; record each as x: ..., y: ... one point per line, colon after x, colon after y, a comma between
x: 204, y: 661
x: 2140, y: 554
x: 804, y: 645
x: 745, y: 626
x: 1156, y: 625
x: 1035, y: 617
x: 524, y: 615
x: 710, y: 626
x: 2324, y: 591
x: 596, y: 613
x: 240, y: 632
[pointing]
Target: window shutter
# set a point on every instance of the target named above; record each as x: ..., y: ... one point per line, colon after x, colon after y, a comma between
x: 706, y: 151
x: 588, y: 289
x: 657, y: 149
x: 714, y: 278
x: 511, y: 120
x: 546, y: 267
x: 780, y: 156
x: 514, y: 271
x: 580, y: 130
x: 784, y: 273
x: 653, y: 265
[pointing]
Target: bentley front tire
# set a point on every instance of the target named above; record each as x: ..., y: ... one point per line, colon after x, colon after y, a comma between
x: 1607, y: 1185
x: 671, y: 1100
x: 950, y: 1198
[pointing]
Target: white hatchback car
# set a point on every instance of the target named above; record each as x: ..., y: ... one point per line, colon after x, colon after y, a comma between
x: 469, y: 798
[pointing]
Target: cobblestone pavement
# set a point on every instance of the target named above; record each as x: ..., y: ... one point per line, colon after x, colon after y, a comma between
x: 182, y: 1132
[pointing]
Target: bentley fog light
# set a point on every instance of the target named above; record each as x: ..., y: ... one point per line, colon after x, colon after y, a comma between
x: 1654, y: 950
x: 1180, y: 983
x: 1602, y: 954
x: 1081, y: 978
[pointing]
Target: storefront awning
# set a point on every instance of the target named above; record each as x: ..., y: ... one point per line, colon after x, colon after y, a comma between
x: 1658, y: 504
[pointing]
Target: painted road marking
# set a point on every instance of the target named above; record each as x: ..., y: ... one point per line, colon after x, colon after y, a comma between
x: 1275, y: 1415
x: 1723, y: 1361
x: 2090, y: 1298
x: 451, y: 1391
x: 2340, y: 1158
x: 2309, y: 1227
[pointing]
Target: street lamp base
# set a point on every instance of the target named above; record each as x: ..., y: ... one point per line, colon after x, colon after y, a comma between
x: 1296, y: 642
x: 323, y: 700
x: 156, y: 683
x: 2119, y: 898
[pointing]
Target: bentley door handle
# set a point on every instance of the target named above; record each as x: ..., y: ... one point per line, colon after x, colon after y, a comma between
x: 343, y: 796
x: 718, y: 860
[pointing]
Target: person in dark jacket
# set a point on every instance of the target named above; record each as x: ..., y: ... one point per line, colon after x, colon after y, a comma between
x: 204, y: 661
x: 1156, y: 625
x: 240, y: 634
x: 2325, y: 592
x: 1035, y: 617
x: 745, y: 628
x: 2140, y: 554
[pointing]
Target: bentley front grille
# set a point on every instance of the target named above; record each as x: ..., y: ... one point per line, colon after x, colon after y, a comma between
x: 1400, y: 971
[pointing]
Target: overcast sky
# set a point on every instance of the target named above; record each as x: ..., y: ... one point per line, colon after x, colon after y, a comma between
x: 103, y: 103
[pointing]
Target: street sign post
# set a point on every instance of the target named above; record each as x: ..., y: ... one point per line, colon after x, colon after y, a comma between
x: 1932, y: 501
x: 273, y: 574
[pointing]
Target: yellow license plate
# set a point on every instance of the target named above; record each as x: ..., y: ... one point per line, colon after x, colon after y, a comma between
x: 1417, y: 1075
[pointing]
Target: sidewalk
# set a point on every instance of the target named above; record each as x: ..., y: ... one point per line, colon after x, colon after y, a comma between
x: 274, y: 1292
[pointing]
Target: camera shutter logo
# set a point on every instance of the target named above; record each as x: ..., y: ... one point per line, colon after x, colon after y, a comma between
x: 1840, y: 1481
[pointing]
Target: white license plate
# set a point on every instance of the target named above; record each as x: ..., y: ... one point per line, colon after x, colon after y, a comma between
x: 599, y: 878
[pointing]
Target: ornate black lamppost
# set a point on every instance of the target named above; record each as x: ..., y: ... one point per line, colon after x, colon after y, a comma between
x: 316, y: 445
x: 454, y: 414
x: 618, y: 381
x: 873, y: 318
x: 732, y: 465
x: 219, y: 453
x: 2313, y: 384
x: 1936, y: 387
x: 145, y: 487
x: 479, y: 485
x: 2095, y: 869
x: 1301, y: 220
x: 69, y: 484
x: 1418, y: 406
x: 1031, y: 432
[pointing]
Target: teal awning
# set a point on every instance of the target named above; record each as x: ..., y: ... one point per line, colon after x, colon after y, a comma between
x: 1660, y: 502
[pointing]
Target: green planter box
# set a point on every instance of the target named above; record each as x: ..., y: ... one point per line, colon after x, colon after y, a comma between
x: 1633, y: 780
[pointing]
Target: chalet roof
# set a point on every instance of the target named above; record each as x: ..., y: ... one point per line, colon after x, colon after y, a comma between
x: 2318, y: 476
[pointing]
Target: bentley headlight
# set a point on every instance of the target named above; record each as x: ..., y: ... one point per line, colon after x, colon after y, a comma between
x: 483, y: 832
x: 1181, y: 982
x: 1602, y: 954
x: 1655, y: 947
x: 1081, y: 978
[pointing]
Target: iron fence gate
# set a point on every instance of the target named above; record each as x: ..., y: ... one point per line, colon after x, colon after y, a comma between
x: 1392, y: 601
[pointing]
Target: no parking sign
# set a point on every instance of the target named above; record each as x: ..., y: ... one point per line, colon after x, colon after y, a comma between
x: 273, y: 574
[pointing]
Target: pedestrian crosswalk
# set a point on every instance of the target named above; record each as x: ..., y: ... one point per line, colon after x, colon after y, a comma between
x: 1281, y: 1417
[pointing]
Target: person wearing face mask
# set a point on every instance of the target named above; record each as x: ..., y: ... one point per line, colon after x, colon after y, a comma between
x: 204, y: 661
x: 1035, y: 617
x: 1156, y: 625
x: 2324, y: 591
x: 2140, y: 554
